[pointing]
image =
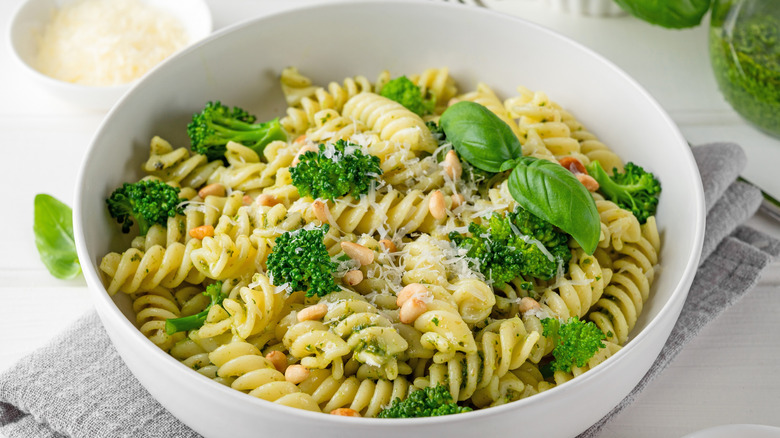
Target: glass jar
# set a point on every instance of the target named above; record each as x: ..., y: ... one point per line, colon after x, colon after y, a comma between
x: 745, y: 56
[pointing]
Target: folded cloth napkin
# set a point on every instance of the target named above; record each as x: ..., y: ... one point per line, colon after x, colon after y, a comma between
x: 78, y: 385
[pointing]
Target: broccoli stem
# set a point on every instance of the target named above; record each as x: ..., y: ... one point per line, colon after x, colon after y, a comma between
x: 186, y: 323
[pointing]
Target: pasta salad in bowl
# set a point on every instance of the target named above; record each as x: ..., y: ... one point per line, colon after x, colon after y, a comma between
x: 320, y: 230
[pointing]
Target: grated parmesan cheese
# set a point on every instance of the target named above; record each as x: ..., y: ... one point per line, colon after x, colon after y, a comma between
x: 107, y: 42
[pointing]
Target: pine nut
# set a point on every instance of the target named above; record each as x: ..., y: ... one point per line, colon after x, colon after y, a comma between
x: 437, y: 206
x: 202, y: 232
x: 267, y: 200
x: 320, y: 210
x: 591, y: 184
x: 411, y: 310
x: 302, y: 151
x: 457, y: 200
x: 452, y: 165
x: 247, y: 200
x: 572, y: 164
x: 527, y: 303
x: 215, y: 189
x: 353, y: 277
x: 409, y: 291
x: 312, y: 313
x: 358, y: 252
x: 345, y: 412
x: 388, y: 245
x: 300, y: 139
x: 278, y: 360
x: 296, y: 374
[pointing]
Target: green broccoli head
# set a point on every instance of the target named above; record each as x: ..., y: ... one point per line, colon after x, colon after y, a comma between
x: 575, y: 341
x: 299, y: 258
x: 211, y: 129
x: 196, y: 321
x: 338, y: 169
x: 510, y: 246
x: 427, y: 402
x: 405, y: 92
x: 146, y: 202
x: 634, y: 189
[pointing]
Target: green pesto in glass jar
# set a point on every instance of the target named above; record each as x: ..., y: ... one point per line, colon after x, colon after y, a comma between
x: 745, y: 56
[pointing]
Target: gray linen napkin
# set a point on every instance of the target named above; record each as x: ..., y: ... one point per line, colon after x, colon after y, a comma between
x: 78, y: 385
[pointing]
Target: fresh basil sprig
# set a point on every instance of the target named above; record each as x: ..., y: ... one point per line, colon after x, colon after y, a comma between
x: 553, y: 193
x: 479, y: 136
x: 53, y: 228
x: 542, y: 187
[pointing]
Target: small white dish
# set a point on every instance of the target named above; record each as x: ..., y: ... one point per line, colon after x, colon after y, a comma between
x: 32, y: 17
x: 737, y: 430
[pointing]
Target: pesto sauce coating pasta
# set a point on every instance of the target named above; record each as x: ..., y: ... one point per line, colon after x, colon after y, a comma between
x: 419, y: 314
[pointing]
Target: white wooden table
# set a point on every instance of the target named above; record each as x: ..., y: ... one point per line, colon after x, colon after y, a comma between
x: 729, y: 374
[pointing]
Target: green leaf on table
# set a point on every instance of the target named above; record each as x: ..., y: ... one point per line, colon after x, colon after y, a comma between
x: 554, y: 194
x: 665, y: 13
x: 53, y: 227
x: 479, y: 136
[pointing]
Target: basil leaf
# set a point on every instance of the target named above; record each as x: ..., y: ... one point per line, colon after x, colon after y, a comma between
x: 53, y: 227
x: 479, y: 136
x: 669, y: 14
x: 553, y: 193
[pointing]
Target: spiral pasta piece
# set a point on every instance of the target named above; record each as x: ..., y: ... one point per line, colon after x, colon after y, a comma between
x: 316, y: 346
x: 368, y: 396
x: 257, y: 307
x: 295, y: 86
x: 439, y: 83
x: 389, y: 210
x: 305, y: 102
x: 138, y: 271
x: 370, y: 335
x: 248, y: 371
x: 152, y: 308
x: 221, y: 257
x: 575, y: 295
x: 424, y: 263
x: 329, y: 125
x: 391, y: 120
x: 244, y: 171
x: 621, y: 225
x: 538, y: 118
x: 178, y: 165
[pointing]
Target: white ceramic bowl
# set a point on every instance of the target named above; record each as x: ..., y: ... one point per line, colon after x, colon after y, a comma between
x: 334, y: 41
x: 33, y: 15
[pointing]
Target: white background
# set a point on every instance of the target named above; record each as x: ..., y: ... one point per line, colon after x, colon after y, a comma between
x: 728, y: 374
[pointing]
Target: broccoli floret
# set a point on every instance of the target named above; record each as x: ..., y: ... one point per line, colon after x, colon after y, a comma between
x: 507, y: 247
x: 575, y: 341
x: 634, y: 189
x: 300, y: 259
x: 212, y: 128
x: 405, y: 92
x: 147, y: 202
x: 338, y: 169
x: 213, y: 291
x: 427, y: 402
